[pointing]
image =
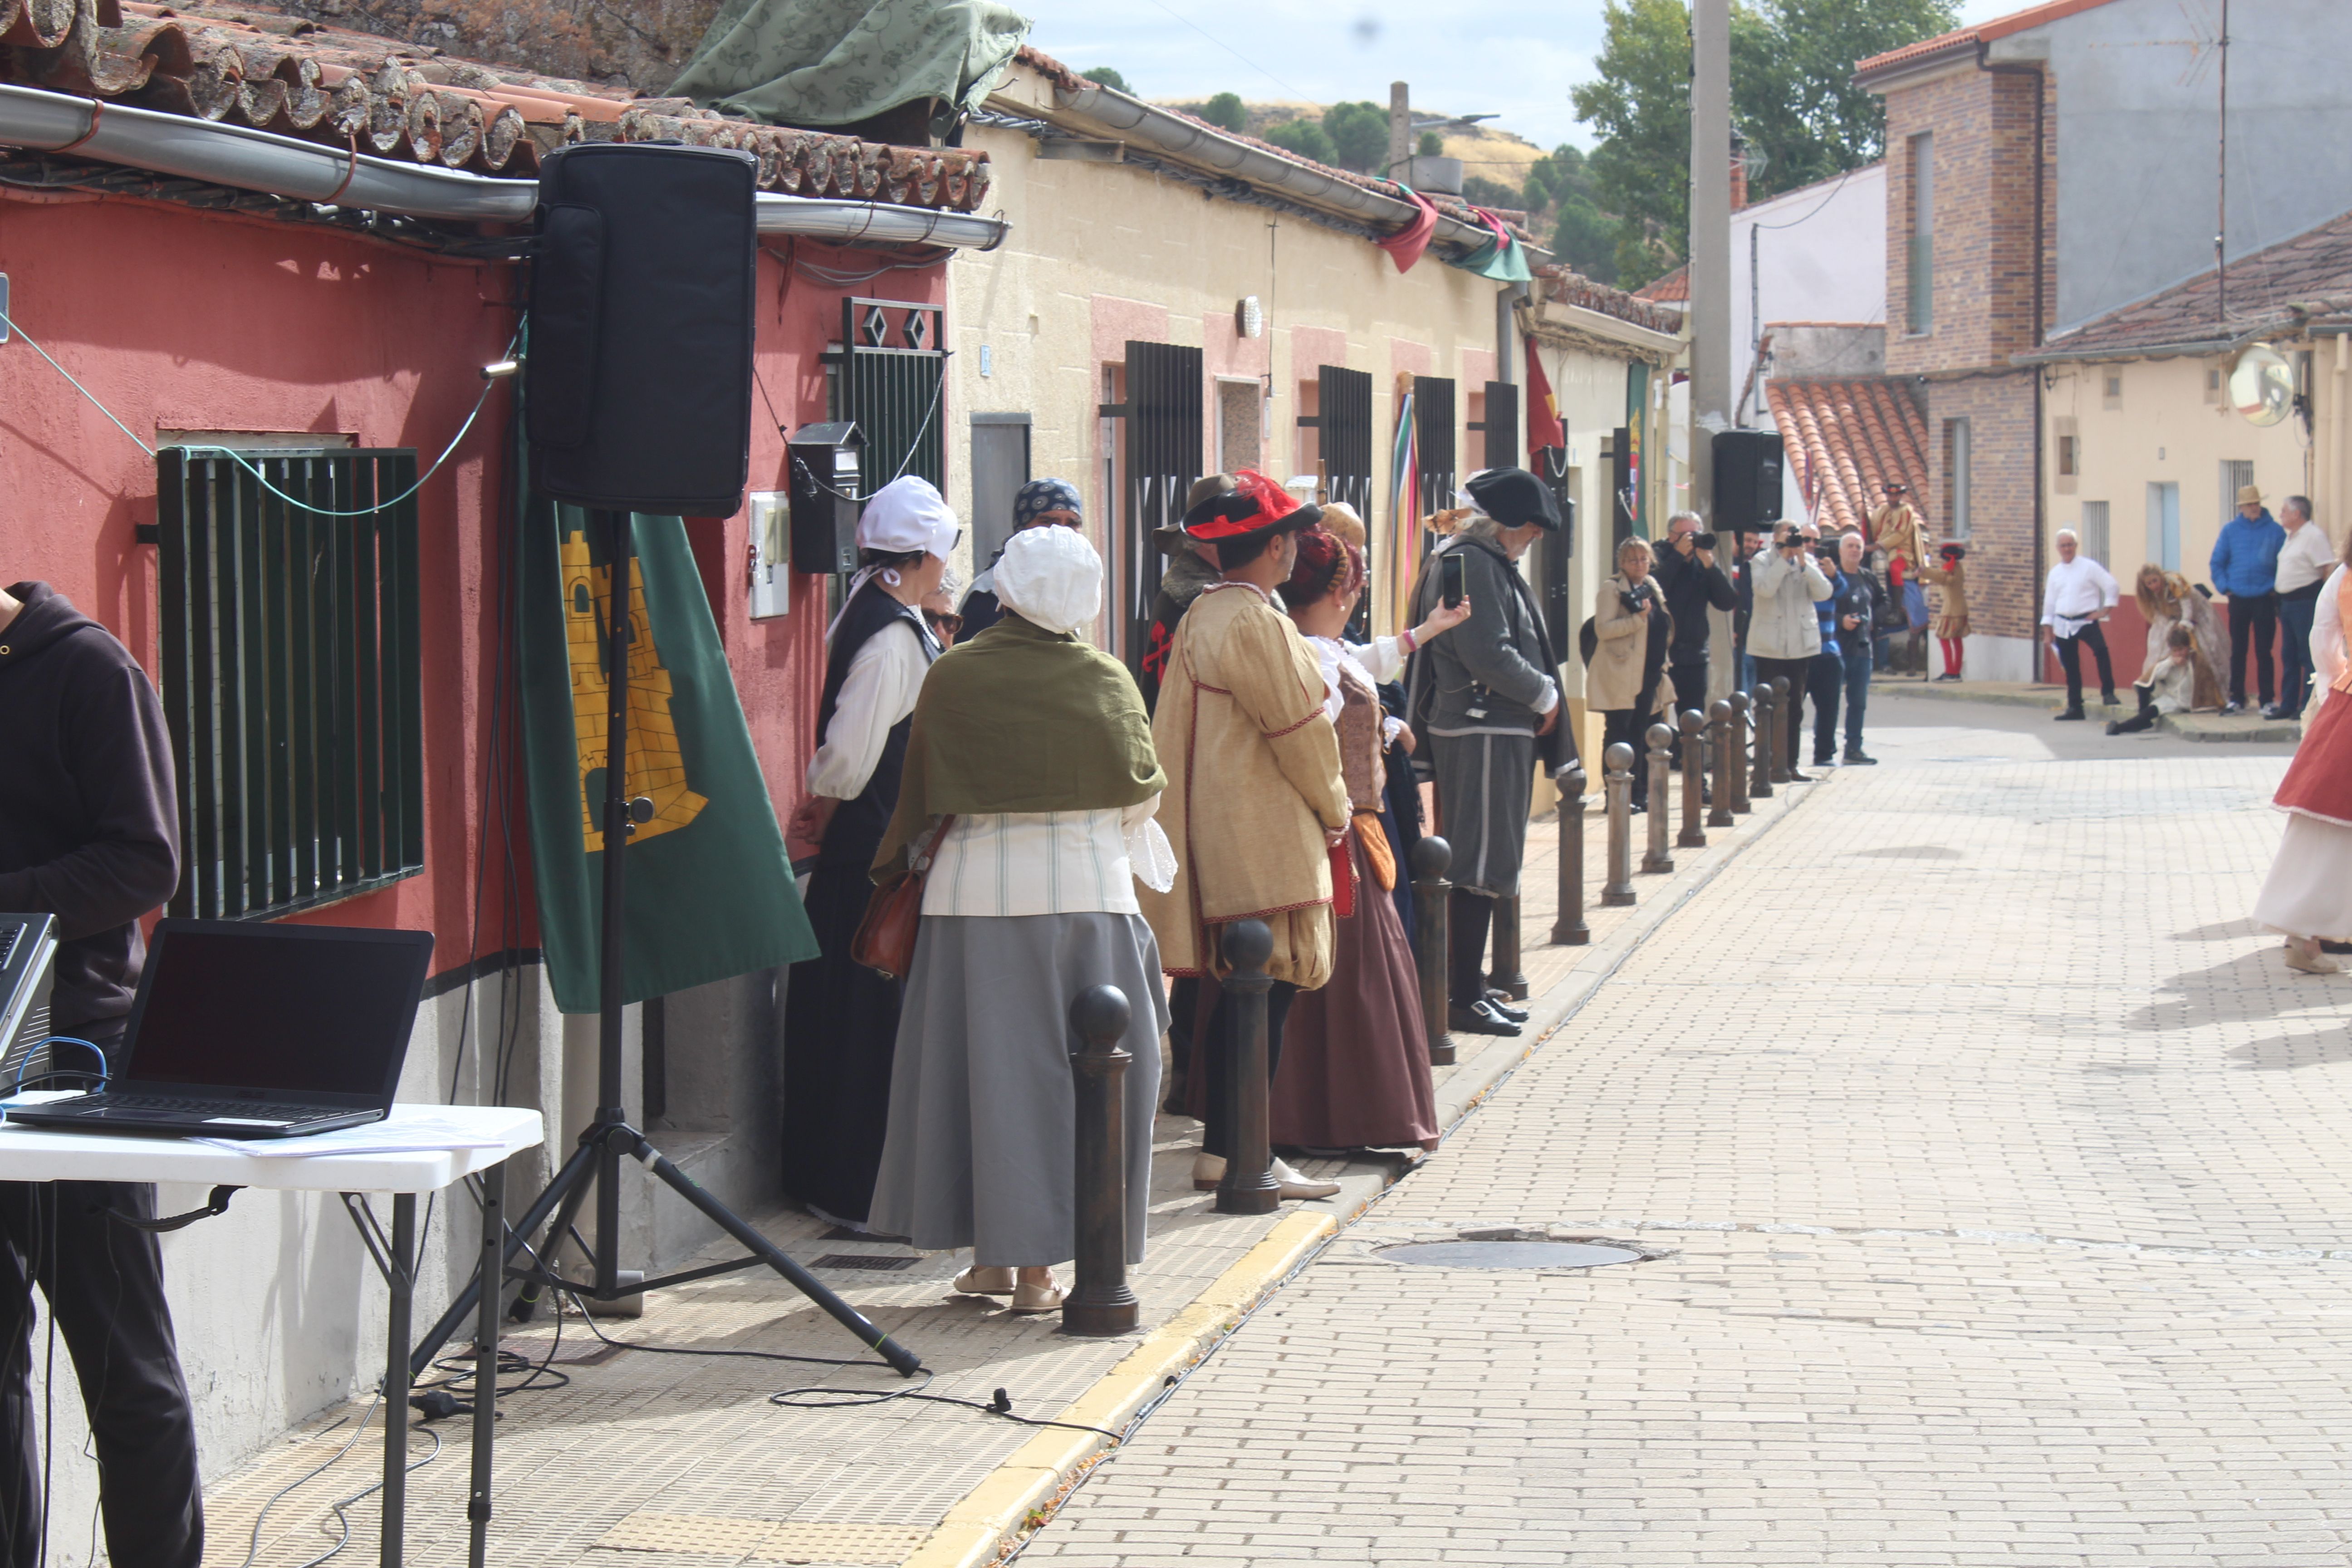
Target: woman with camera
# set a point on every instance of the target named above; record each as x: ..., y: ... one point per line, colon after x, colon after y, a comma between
x: 1623, y: 681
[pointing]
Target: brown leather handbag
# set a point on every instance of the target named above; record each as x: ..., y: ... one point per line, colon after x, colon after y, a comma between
x: 884, y: 942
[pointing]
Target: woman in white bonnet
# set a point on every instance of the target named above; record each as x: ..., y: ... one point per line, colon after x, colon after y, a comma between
x: 840, y: 1020
x: 1034, y: 746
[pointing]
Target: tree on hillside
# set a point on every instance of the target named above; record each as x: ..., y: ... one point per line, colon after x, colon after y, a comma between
x: 1791, y: 93
x: 1226, y: 112
x: 1304, y: 137
x: 1103, y: 76
x: 1359, y: 133
x: 1432, y: 145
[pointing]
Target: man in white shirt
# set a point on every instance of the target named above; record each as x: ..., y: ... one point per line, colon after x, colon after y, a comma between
x: 2304, y: 563
x: 2078, y: 594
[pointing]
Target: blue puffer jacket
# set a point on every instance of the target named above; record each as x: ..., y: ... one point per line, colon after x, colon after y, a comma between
x: 1827, y: 612
x: 2245, y: 558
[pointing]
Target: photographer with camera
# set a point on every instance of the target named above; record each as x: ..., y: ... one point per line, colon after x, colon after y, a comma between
x: 1625, y: 677
x: 1785, y: 634
x: 1693, y: 583
x: 1856, y: 605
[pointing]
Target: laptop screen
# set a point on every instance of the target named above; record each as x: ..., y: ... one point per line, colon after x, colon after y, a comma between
x: 291, y: 1009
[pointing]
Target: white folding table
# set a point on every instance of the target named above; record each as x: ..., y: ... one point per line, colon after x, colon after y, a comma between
x: 476, y: 1140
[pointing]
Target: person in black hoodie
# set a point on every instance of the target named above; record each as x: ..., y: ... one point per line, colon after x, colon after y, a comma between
x: 1693, y: 584
x: 89, y: 834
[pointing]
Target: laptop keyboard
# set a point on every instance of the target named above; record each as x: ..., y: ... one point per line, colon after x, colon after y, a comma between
x: 196, y: 1109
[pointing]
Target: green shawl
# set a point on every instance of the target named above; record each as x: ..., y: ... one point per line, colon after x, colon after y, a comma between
x: 1022, y: 719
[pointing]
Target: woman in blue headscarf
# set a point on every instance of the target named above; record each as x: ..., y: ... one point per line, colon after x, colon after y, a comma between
x: 1039, y: 503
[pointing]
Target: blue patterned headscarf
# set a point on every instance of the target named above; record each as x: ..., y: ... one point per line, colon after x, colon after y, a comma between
x: 1040, y: 496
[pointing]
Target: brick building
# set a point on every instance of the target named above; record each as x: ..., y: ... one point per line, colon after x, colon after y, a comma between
x: 2044, y: 169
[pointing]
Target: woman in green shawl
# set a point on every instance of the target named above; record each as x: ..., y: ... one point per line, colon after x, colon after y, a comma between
x: 1037, y: 747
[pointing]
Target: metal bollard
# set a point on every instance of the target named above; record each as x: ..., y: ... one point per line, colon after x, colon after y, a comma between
x: 1735, y: 749
x: 1506, y: 977
x: 1783, y: 764
x: 1568, y: 927
x: 1248, y: 1186
x: 1658, y: 856
x: 1432, y: 858
x: 1693, y: 725
x: 1726, y: 747
x: 1099, y: 1302
x: 1617, y: 766
x: 1759, y: 785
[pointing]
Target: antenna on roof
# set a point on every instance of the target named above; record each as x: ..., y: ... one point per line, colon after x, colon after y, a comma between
x: 2221, y: 225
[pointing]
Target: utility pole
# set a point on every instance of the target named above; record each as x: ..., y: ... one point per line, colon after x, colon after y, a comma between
x: 1710, y: 243
x: 1400, y: 128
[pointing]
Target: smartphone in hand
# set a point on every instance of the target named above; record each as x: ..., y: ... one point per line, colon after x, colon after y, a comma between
x: 1449, y: 578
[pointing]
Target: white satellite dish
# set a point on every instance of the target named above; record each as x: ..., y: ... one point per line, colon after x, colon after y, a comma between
x: 2262, y: 384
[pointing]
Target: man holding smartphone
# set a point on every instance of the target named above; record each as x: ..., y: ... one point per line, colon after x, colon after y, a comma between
x: 1483, y: 695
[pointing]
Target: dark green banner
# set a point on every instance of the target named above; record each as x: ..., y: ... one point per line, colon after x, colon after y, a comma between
x: 709, y: 890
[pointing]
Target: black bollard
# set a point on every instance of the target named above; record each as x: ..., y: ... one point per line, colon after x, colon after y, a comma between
x: 1662, y: 771
x: 1692, y: 724
x: 1099, y: 1302
x: 1506, y: 977
x: 1788, y: 718
x: 1432, y: 894
x: 1568, y: 927
x: 1734, y: 752
x: 1248, y: 1186
x: 1617, y: 766
x: 1767, y: 726
x: 1719, y: 738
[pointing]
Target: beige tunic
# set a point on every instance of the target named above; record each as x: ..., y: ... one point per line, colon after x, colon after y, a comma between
x: 1897, y: 530
x: 1254, y: 782
x: 1951, y: 619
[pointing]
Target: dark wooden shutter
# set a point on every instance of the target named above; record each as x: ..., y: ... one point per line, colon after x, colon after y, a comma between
x: 1432, y: 426
x: 1502, y: 425
x: 1164, y: 435
x: 1344, y: 420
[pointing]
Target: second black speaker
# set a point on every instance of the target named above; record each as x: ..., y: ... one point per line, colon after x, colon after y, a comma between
x: 638, y: 378
x: 1747, y: 478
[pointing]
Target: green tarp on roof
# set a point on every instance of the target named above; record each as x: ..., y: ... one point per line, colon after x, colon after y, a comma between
x: 834, y: 62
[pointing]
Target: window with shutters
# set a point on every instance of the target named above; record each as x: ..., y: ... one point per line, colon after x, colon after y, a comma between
x: 1343, y: 416
x: 888, y: 374
x: 292, y: 682
x: 1434, y: 427
x: 1161, y: 442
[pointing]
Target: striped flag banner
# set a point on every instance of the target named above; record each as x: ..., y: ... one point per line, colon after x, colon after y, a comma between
x: 1404, y: 522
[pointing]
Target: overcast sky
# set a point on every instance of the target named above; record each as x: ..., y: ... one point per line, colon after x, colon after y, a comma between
x: 1516, y: 59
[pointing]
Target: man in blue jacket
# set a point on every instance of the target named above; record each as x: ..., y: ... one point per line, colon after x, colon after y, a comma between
x: 2245, y: 568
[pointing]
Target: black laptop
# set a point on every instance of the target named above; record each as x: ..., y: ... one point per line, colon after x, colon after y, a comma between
x: 250, y: 1030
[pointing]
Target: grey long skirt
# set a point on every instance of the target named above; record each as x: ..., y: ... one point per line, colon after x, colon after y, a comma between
x: 982, y: 1137
x: 1485, y: 789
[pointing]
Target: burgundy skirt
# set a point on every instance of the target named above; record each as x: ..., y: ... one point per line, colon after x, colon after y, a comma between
x: 1355, y: 1055
x: 2318, y: 782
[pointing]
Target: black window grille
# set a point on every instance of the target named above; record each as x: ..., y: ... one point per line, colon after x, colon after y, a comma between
x: 291, y: 679
x: 1163, y: 430
x: 889, y: 375
x: 1343, y: 424
x: 1499, y: 430
x: 1432, y: 429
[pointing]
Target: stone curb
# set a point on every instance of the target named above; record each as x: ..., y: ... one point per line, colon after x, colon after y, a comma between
x: 1020, y: 1492
x: 2207, y: 728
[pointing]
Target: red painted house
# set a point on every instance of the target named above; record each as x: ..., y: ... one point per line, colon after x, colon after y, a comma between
x: 243, y: 231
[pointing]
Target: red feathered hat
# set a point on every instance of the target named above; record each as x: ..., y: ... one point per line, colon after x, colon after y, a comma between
x: 1254, y: 508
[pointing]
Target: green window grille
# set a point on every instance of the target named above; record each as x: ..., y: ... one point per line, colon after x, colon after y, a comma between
x: 889, y: 375
x: 291, y: 677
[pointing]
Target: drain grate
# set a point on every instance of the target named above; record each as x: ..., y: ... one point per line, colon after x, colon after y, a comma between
x: 1509, y: 1254
x: 867, y: 1260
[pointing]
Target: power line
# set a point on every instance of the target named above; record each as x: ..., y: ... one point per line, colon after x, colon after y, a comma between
x: 1231, y: 50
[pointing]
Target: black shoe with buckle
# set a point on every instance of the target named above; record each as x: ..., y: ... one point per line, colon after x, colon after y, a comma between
x: 1500, y: 1001
x: 1478, y: 1018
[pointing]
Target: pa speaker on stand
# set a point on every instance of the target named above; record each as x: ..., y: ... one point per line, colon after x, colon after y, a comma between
x: 637, y: 388
x: 1747, y: 479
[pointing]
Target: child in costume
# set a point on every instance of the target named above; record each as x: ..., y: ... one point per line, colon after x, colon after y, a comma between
x: 1951, y: 622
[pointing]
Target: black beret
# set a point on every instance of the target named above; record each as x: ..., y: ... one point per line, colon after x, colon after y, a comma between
x: 1514, y: 497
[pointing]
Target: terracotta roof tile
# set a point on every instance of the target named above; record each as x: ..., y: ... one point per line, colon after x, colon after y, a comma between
x: 1966, y: 40
x: 2272, y: 290
x: 1572, y: 287
x: 1845, y: 438
x: 1673, y: 288
x: 257, y: 67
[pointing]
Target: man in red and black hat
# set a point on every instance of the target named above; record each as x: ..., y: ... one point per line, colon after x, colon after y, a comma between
x: 1255, y: 798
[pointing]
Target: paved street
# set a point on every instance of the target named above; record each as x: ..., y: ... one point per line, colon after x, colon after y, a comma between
x: 1992, y: 1175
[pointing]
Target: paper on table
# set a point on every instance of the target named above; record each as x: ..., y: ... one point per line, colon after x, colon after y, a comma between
x: 409, y: 1134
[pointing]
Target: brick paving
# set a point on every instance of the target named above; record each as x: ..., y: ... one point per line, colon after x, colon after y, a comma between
x: 1993, y: 1172
x: 684, y: 1458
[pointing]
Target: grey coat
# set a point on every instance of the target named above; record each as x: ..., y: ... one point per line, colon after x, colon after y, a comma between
x: 1498, y: 663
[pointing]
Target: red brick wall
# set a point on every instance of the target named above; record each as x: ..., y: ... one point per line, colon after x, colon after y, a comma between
x: 2004, y: 582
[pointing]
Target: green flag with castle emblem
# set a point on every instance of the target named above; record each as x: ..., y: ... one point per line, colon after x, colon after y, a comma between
x: 709, y: 891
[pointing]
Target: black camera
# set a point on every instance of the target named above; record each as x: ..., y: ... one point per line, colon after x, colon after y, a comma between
x: 1826, y: 551
x: 1635, y: 597
x: 1703, y: 540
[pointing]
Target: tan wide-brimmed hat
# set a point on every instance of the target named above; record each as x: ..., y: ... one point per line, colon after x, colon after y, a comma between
x: 2249, y: 496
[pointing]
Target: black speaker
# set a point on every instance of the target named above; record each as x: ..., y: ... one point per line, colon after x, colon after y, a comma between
x: 637, y: 381
x: 1747, y: 479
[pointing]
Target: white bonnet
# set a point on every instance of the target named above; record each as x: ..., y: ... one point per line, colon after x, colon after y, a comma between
x: 1050, y: 577
x: 907, y: 514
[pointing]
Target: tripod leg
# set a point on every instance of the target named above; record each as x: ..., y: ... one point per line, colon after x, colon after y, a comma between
x: 902, y: 1360
x: 486, y: 1361
x: 566, y: 1182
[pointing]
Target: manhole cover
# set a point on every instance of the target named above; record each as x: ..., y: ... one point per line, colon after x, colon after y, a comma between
x: 868, y: 1260
x: 1509, y: 1254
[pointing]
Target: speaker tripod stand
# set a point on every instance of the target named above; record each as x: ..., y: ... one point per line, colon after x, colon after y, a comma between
x: 595, y: 1161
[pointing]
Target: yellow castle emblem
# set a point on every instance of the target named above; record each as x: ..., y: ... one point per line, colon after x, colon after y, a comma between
x: 656, y: 765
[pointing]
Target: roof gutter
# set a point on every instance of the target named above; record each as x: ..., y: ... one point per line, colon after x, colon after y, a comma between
x: 305, y: 171
x: 1193, y: 142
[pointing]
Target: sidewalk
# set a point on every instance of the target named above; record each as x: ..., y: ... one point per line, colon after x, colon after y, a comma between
x: 2250, y: 727
x: 684, y: 1462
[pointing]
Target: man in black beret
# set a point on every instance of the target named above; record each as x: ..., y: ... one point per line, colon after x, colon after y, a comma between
x: 1483, y: 695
